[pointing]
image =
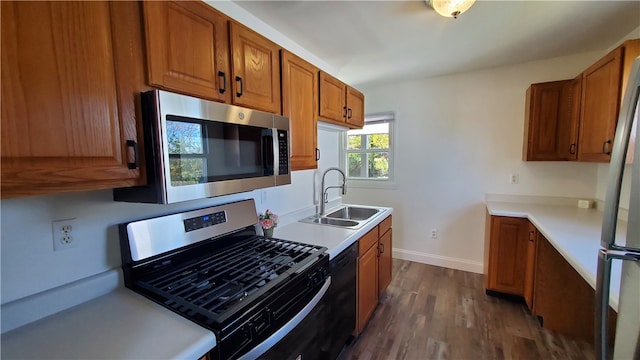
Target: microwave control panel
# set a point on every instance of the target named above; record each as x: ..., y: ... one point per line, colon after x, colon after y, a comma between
x: 283, y: 145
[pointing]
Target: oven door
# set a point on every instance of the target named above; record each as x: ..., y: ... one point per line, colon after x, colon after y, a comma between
x: 299, y: 339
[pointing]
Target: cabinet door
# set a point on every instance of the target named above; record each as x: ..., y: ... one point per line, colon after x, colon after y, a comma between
x: 367, y: 285
x: 575, y: 102
x: 563, y: 299
x: 384, y: 261
x: 600, y: 105
x: 300, y: 105
x: 187, y: 48
x: 332, y: 99
x: 355, y: 108
x: 509, y: 238
x: 548, y: 121
x: 255, y: 70
x: 70, y: 75
x: 631, y: 52
x: 530, y: 266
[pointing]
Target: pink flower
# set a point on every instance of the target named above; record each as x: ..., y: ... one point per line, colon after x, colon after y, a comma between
x: 267, y: 223
x: 268, y: 220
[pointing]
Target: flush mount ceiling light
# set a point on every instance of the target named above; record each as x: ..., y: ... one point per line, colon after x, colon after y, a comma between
x: 450, y: 8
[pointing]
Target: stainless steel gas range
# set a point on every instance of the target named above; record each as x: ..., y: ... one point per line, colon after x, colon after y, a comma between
x: 262, y: 297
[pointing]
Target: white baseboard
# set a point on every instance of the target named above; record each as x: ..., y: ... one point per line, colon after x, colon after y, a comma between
x: 438, y: 260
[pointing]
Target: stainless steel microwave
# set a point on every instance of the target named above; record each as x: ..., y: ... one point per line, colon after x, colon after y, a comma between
x: 197, y: 148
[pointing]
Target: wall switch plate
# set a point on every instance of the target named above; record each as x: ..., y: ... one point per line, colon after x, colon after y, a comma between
x: 584, y: 204
x: 63, y: 234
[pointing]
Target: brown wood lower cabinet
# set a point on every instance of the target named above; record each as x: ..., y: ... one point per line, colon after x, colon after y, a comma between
x: 384, y: 259
x: 530, y: 265
x: 563, y: 299
x: 522, y: 262
x: 367, y: 278
x: 374, y: 270
x: 508, y: 245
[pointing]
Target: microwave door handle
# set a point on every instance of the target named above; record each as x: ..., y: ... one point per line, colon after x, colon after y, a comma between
x: 276, y: 151
x: 267, y: 152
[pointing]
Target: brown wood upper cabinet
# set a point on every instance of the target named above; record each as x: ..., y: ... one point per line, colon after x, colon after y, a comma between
x: 340, y: 103
x: 602, y: 90
x: 300, y: 104
x: 576, y: 119
x: 255, y: 69
x: 188, y: 48
x: 68, y: 98
x: 194, y: 49
x: 551, y: 119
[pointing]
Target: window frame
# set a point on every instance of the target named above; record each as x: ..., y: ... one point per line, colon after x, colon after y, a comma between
x: 388, y: 117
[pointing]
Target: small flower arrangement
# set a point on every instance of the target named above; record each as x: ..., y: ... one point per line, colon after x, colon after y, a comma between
x: 268, y: 220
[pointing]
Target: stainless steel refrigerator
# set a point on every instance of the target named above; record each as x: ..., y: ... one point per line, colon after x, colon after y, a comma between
x: 627, y: 337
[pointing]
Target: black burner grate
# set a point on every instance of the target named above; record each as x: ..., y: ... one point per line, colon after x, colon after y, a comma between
x: 217, y: 282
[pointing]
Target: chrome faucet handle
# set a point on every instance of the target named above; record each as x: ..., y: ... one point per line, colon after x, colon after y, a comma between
x: 324, y: 190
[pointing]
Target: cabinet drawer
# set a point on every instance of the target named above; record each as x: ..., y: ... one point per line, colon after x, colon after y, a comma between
x: 384, y: 226
x: 369, y: 239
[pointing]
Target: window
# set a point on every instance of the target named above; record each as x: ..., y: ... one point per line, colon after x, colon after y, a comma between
x: 369, y: 151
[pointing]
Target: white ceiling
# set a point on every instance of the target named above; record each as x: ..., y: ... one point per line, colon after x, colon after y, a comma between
x: 371, y: 41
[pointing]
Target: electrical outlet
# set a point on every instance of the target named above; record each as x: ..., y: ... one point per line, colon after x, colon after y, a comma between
x: 514, y: 178
x: 434, y: 233
x: 63, y: 234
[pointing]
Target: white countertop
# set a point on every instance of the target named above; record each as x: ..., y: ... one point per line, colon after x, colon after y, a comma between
x: 335, y: 239
x: 119, y: 325
x: 574, y: 232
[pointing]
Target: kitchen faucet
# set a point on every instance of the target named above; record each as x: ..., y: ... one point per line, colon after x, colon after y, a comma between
x: 324, y: 191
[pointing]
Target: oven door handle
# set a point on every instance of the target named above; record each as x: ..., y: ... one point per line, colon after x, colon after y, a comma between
x: 290, y: 325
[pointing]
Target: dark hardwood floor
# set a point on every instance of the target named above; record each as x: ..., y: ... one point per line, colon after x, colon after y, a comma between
x: 430, y: 312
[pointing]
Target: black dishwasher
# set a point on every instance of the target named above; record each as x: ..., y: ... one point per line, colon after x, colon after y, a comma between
x: 341, y: 301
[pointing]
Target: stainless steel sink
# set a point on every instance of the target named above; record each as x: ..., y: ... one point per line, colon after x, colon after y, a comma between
x: 351, y: 217
x: 353, y: 213
x: 335, y: 222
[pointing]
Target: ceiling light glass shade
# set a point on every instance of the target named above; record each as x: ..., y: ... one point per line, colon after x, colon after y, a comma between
x: 450, y: 8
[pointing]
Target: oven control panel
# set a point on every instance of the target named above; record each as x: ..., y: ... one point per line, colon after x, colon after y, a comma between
x: 204, y: 221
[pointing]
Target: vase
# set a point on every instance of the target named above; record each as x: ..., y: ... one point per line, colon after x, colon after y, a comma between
x: 268, y: 232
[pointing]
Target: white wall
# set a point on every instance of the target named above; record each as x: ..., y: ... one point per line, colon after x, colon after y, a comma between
x: 460, y: 138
